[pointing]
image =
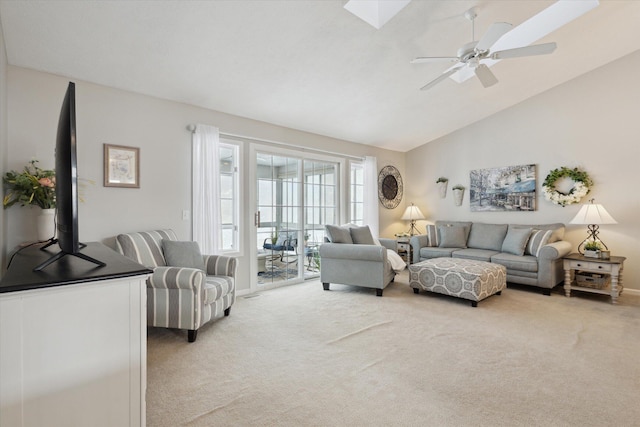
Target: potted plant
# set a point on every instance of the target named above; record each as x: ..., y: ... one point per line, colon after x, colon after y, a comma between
x: 592, y: 249
x: 442, y: 186
x: 33, y: 186
x: 458, y: 194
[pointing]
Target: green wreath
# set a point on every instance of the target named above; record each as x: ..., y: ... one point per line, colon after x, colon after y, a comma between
x: 581, y: 187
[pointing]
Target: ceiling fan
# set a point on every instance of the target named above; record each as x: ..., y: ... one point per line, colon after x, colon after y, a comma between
x: 502, y: 42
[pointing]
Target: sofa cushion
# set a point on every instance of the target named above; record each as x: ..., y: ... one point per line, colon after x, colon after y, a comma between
x: 430, y: 252
x: 453, y: 236
x: 183, y: 254
x: 516, y: 240
x: 515, y: 262
x: 362, y: 235
x: 476, y: 254
x: 216, y: 287
x: 487, y: 236
x: 537, y: 240
x: 338, y: 234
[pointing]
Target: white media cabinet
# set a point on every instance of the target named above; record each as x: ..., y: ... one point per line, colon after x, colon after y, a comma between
x: 73, y: 341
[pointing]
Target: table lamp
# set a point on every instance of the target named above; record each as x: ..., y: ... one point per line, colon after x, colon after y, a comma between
x: 412, y: 213
x: 592, y: 214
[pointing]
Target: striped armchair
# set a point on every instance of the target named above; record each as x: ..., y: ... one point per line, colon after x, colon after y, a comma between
x: 182, y: 298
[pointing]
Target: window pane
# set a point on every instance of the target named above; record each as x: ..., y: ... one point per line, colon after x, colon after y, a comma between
x: 226, y: 212
x: 227, y: 239
x: 226, y: 186
x: 229, y: 196
x: 265, y: 193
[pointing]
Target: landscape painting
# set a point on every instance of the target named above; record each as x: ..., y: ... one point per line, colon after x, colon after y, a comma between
x: 511, y: 188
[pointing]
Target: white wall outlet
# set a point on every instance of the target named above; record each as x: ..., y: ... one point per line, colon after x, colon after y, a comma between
x: 186, y: 215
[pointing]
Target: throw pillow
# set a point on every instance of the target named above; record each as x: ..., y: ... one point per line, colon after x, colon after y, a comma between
x: 337, y: 234
x: 183, y: 254
x: 453, y: 236
x: 537, y: 240
x: 432, y: 235
x: 487, y: 236
x: 361, y: 235
x: 516, y: 240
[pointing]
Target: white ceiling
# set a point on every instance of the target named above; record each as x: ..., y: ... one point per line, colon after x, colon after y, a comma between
x: 309, y: 65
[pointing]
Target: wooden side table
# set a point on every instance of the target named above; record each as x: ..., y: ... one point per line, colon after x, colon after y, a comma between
x: 613, y: 267
x: 403, y: 248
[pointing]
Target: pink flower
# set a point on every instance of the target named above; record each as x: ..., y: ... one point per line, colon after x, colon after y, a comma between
x: 46, y: 182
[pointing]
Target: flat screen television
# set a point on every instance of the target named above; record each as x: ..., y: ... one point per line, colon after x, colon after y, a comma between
x: 67, y: 185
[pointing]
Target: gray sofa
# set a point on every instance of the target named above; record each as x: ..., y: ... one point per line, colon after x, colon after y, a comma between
x: 351, y: 257
x: 532, y: 254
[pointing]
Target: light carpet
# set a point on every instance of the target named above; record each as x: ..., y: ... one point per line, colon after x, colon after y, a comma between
x: 301, y: 356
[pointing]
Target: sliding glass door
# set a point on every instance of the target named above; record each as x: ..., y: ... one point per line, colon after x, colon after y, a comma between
x: 295, y: 198
x: 320, y: 208
x: 278, y: 198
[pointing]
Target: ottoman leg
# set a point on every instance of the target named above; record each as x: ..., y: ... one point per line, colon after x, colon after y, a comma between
x: 379, y: 292
x: 474, y: 303
x: 499, y: 293
x: 325, y: 286
x: 416, y: 290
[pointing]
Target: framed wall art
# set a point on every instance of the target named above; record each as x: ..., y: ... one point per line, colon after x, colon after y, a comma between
x: 510, y: 188
x: 121, y: 166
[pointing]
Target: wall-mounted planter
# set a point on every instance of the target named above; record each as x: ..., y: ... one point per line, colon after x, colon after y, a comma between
x: 442, y: 188
x: 458, y: 194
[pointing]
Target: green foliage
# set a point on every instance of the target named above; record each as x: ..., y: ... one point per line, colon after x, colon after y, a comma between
x: 592, y: 245
x: 564, y: 172
x: 32, y: 186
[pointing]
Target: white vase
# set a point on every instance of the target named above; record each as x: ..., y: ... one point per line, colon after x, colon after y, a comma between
x: 45, y: 224
x: 457, y: 196
x: 443, y: 189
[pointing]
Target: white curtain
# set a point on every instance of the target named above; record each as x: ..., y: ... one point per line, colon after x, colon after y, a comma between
x: 205, y: 187
x: 371, y: 213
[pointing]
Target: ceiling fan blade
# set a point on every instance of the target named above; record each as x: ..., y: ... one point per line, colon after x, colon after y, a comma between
x: 536, y: 49
x: 427, y: 59
x: 538, y: 26
x: 544, y: 23
x: 493, y: 34
x: 486, y: 77
x: 440, y: 78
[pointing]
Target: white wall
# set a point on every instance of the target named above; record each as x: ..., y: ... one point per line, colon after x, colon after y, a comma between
x: 590, y: 122
x: 158, y: 127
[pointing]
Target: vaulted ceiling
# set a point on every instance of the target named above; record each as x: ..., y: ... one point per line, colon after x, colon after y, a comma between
x: 309, y: 65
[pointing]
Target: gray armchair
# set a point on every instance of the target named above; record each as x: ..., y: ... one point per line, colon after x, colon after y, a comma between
x: 355, y: 261
x: 181, y: 297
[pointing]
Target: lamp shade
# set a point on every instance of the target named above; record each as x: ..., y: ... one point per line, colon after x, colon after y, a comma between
x: 593, y: 213
x: 412, y: 213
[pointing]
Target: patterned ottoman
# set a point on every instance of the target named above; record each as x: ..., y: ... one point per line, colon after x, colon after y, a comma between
x: 462, y: 278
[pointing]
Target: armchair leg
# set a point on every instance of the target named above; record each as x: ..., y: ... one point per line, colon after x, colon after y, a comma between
x: 379, y: 292
x: 192, y: 334
x: 227, y: 311
x: 325, y: 286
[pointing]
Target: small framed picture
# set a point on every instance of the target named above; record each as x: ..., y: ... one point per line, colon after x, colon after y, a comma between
x: 121, y: 166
